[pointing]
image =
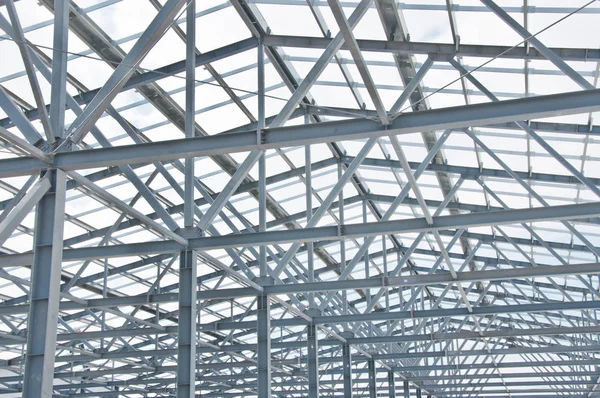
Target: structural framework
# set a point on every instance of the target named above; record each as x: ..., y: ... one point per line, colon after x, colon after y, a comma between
x: 289, y: 198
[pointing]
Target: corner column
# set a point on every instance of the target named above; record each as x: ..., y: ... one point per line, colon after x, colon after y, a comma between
x: 44, y: 294
x: 186, y: 344
x: 372, y: 379
x: 347, y: 364
x: 391, y: 384
x: 313, y: 361
x: 263, y: 326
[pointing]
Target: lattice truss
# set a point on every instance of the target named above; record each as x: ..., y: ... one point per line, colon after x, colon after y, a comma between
x: 289, y: 198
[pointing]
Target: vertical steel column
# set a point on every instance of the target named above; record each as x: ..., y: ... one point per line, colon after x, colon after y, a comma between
x: 372, y: 379
x: 263, y: 329
x: 342, y: 245
x: 419, y: 395
x: 262, y: 167
x: 406, y: 390
x: 347, y: 363
x: 190, y: 110
x: 59, y: 67
x: 45, y: 289
x: 186, y: 344
x: 263, y: 317
x: 391, y: 385
x: 313, y: 361
x: 309, y: 213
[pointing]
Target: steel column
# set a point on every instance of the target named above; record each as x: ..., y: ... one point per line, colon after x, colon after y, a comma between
x: 391, y: 385
x: 186, y: 344
x: 44, y: 293
x: 347, y: 368
x: 312, y: 345
x: 372, y: 378
x: 263, y: 354
x: 406, y: 389
x: 59, y: 67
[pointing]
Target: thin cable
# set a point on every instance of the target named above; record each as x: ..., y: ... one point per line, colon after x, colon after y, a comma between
x: 497, y: 56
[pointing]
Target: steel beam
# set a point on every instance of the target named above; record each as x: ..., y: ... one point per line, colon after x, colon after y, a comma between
x: 412, y: 85
x: 438, y: 49
x: 44, y: 292
x: 458, y: 117
x: 22, y: 208
x: 19, y: 119
x: 346, y: 231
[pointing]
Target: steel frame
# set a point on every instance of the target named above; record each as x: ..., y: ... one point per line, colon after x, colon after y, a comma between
x: 333, y: 289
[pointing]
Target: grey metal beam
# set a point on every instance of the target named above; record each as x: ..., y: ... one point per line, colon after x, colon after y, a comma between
x: 119, y: 204
x: 412, y: 85
x: 23, y: 145
x: 44, y: 293
x: 16, y: 115
x: 374, y: 282
x: 439, y: 49
x: 334, y: 233
x: 406, y: 389
x: 371, y: 317
x: 446, y: 118
x: 230, y: 188
x: 22, y: 208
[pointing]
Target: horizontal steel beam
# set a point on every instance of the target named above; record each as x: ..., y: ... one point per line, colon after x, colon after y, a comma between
x: 316, y: 234
x: 446, y: 118
x: 371, y: 317
x: 439, y: 50
x: 351, y: 284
